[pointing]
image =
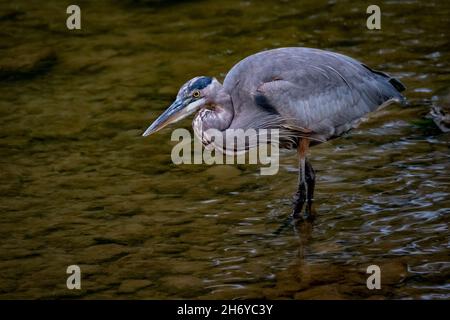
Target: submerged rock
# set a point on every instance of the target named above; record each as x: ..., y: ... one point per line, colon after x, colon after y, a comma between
x: 25, y: 62
x: 11, y: 15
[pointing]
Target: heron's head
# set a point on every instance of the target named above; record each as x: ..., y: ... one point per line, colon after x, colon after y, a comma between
x: 193, y: 95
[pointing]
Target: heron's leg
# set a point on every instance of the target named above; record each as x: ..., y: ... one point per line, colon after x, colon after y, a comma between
x: 311, y: 183
x: 302, y: 192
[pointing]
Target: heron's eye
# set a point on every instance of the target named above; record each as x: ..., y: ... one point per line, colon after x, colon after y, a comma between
x: 196, y: 94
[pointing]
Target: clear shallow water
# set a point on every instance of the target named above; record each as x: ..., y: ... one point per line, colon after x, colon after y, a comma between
x: 79, y: 185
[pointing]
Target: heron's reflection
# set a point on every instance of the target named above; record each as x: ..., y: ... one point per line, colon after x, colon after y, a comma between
x: 303, y: 228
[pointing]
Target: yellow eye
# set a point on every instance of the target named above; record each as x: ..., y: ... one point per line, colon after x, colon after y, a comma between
x: 196, y: 94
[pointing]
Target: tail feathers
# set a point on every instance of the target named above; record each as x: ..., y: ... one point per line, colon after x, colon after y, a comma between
x: 397, y: 84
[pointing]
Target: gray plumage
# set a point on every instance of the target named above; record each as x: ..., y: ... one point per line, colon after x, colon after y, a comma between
x: 315, y: 92
x: 309, y: 95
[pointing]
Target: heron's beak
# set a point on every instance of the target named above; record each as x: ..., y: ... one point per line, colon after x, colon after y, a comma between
x: 180, y: 109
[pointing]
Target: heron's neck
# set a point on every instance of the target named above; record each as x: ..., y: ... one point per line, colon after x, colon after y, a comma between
x: 223, y: 111
x: 218, y: 113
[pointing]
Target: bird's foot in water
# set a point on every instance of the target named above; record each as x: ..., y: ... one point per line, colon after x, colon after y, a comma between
x: 299, y: 201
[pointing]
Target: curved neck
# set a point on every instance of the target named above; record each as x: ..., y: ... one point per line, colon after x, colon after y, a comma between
x: 222, y: 111
x: 218, y: 112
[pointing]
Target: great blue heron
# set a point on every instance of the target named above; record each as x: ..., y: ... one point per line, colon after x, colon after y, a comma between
x: 310, y: 95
